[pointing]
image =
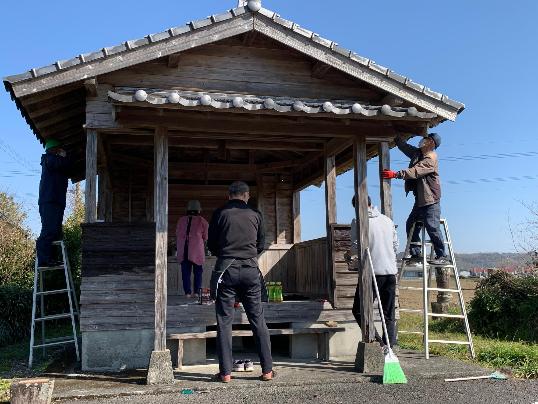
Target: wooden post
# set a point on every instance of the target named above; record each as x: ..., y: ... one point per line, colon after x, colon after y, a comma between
x: 90, y: 191
x: 330, y: 218
x: 385, y: 191
x: 330, y: 190
x: 161, y: 234
x: 296, y: 217
x: 361, y: 214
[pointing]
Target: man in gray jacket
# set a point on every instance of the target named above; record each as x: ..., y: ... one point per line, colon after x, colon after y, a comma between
x: 383, y: 245
x: 422, y: 178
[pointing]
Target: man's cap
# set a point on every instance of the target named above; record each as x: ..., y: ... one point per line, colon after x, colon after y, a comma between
x: 436, y: 139
x: 52, y: 143
x: 238, y: 188
x: 369, y: 200
x: 194, y: 205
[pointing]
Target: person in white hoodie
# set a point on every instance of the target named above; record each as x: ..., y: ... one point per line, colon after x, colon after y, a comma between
x: 383, y: 241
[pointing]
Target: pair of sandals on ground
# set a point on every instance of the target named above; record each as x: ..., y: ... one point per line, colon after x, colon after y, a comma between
x: 244, y: 365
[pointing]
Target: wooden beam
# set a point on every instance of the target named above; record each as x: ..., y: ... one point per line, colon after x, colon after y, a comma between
x: 296, y: 217
x: 385, y: 191
x: 249, y: 38
x: 91, y: 87
x: 392, y: 100
x: 335, y: 146
x: 361, y: 215
x: 161, y: 235
x: 319, y: 70
x: 91, y: 177
x: 330, y: 190
x: 173, y: 61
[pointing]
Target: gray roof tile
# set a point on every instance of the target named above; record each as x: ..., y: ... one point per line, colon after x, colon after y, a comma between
x: 223, y: 17
x: 395, y: 76
x: 180, y: 30
x: 160, y: 36
x: 321, y: 40
x: 201, y: 23
x: 128, y: 45
x: 281, y: 21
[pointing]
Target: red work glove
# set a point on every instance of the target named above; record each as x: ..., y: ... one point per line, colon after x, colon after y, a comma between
x: 389, y: 174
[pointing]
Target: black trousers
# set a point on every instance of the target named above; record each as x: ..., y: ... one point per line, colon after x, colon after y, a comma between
x: 387, y: 294
x: 52, y: 215
x: 431, y: 217
x: 241, y: 282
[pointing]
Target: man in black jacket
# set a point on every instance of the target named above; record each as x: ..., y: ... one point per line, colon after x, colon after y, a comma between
x: 52, y: 195
x: 236, y: 236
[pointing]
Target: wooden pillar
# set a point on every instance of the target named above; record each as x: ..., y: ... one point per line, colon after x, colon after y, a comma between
x: 161, y: 234
x: 90, y: 191
x: 296, y: 217
x: 330, y: 190
x: 361, y: 214
x: 330, y: 218
x: 385, y: 190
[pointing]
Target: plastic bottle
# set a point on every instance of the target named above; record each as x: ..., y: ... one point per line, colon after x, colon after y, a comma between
x: 279, y: 295
x: 271, y: 291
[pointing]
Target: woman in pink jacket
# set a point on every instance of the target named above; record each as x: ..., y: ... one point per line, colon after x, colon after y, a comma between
x: 191, y: 235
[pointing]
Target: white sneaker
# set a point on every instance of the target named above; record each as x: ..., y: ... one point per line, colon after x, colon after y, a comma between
x: 239, y: 366
x: 249, y: 365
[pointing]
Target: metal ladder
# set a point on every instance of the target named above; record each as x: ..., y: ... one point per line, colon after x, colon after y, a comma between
x: 39, y: 291
x: 426, y: 288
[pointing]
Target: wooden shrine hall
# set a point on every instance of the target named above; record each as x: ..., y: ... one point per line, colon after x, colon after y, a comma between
x: 179, y: 115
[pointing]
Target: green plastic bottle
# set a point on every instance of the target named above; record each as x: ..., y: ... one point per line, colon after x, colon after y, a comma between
x: 271, y: 291
x: 279, y: 295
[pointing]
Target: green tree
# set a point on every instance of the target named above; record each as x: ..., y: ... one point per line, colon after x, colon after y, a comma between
x: 73, y: 231
x: 17, y: 246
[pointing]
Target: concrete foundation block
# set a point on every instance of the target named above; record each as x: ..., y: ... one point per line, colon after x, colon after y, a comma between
x: 194, y: 352
x: 369, y: 358
x: 113, y: 351
x: 160, y: 368
x: 304, y: 346
x: 32, y: 391
x: 344, y: 344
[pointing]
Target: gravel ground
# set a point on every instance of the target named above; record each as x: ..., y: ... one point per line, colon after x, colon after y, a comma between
x: 425, y: 391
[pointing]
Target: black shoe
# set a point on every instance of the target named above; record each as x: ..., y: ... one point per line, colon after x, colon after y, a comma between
x: 444, y: 260
x: 414, y: 260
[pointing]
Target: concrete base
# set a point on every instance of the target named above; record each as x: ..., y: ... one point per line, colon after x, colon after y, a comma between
x: 113, y: 351
x: 344, y: 344
x: 194, y: 350
x: 32, y: 391
x: 369, y: 358
x: 160, y: 368
x: 304, y: 346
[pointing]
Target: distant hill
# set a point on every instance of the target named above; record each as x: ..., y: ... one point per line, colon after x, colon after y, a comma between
x: 490, y: 260
x: 466, y: 262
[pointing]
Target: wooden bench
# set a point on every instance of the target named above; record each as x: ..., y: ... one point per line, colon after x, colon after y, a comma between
x: 323, y: 334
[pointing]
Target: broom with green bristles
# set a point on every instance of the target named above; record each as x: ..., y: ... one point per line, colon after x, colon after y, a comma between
x: 392, y: 371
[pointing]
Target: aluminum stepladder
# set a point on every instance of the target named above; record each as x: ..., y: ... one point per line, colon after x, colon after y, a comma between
x: 426, y: 288
x: 39, y: 291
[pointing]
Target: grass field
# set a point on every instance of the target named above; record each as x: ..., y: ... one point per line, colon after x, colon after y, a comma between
x: 413, y: 298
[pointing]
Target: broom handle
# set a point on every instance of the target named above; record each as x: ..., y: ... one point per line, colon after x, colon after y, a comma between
x: 378, y: 298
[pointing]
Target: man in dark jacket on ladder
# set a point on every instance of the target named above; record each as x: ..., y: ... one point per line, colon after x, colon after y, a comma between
x: 52, y: 196
x: 422, y: 178
x: 236, y: 236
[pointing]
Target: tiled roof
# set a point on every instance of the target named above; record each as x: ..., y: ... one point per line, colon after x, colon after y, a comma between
x: 253, y: 6
x: 256, y: 103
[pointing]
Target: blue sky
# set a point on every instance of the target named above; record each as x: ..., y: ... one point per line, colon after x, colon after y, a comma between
x: 483, y: 53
